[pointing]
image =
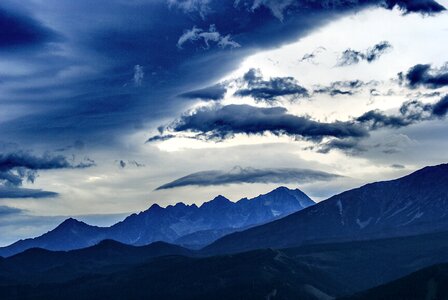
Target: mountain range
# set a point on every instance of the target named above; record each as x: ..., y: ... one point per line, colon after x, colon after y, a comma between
x: 188, y: 225
x: 364, y: 243
x: 414, y: 204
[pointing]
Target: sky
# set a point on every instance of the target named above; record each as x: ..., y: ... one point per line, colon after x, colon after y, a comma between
x: 107, y: 107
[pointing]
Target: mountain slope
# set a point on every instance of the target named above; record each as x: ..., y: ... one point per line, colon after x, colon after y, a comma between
x: 417, y: 203
x: 212, y: 219
x: 261, y: 274
x: 429, y: 283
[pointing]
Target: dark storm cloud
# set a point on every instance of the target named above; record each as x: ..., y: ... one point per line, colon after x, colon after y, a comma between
x: 424, y: 75
x: 270, y: 90
x: 222, y: 122
x: 214, y: 92
x: 410, y: 112
x: 19, y: 30
x: 27, y: 160
x: 420, y: 6
x: 377, y: 119
x: 352, y: 57
x: 280, y: 8
x: 240, y: 175
x: 83, y: 91
x: 15, y: 167
x: 440, y: 109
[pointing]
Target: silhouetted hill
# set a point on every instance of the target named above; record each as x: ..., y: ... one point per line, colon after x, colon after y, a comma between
x: 414, y: 204
x: 429, y: 283
x: 318, y: 271
x: 260, y: 274
x: 35, y: 265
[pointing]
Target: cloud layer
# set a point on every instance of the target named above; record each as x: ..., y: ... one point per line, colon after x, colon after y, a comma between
x: 222, y: 122
x: 84, y: 67
x: 240, y: 175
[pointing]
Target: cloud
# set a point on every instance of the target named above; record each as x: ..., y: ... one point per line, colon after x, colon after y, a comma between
x: 7, y: 211
x: 277, y: 7
x: 410, y: 112
x: 311, y: 57
x: 397, y: 166
x: 350, y: 146
x: 353, y: 57
x: 190, y: 6
x: 222, y: 122
x: 214, y: 92
x: 92, y: 104
x: 424, y: 75
x: 123, y: 164
x: 240, y: 175
x: 210, y: 36
x: 341, y: 88
x: 19, y: 193
x: 270, y: 90
x: 440, y: 109
x: 19, y: 31
x: 416, y: 6
x: 15, y: 167
x: 138, y: 75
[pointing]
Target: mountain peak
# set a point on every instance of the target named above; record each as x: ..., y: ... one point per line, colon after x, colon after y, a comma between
x: 155, y: 207
x: 281, y: 189
x: 219, y: 200
x: 71, y: 222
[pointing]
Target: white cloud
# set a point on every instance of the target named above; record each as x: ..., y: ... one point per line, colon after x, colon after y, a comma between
x: 208, y: 37
x: 138, y: 75
x: 190, y: 6
x: 277, y: 7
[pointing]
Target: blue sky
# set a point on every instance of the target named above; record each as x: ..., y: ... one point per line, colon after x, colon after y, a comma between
x: 109, y: 106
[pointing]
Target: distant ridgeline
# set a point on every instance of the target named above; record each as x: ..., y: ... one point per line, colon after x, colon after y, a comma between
x: 187, y: 225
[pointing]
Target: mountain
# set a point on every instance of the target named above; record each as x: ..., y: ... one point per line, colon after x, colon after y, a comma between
x: 210, y: 221
x: 39, y: 265
x: 429, y: 283
x: 414, y: 204
x: 261, y: 274
x: 112, y: 270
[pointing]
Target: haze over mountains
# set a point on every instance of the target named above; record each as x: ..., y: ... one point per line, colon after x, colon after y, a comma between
x: 183, y: 224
